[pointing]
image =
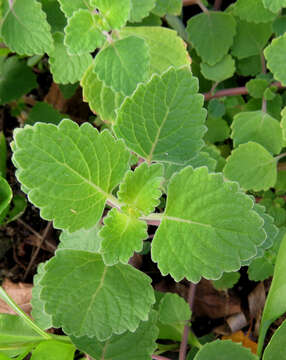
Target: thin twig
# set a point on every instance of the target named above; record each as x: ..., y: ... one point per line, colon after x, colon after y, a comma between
x: 184, y: 343
x: 202, y: 6
x: 263, y: 63
x: 217, y: 4
x: 280, y: 156
x: 189, y: 2
x: 45, y: 233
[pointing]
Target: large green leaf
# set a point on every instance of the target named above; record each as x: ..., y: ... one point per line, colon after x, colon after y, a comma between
x: 275, y: 347
x: 69, y: 7
x: 164, y: 7
x: 256, y: 126
x: 25, y: 28
x: 53, y: 350
x: 274, y: 5
x: 68, y: 171
x: 55, y: 16
x: 250, y: 38
x: 275, y: 303
x: 253, y: 11
x: 163, y: 119
x: 121, y: 234
x: 224, y: 350
x: 16, y: 79
x: 140, y: 190
x: 208, y: 227
x: 116, y: 13
x: 89, y: 24
x: 137, y: 345
x: 275, y: 56
x: 252, y: 166
x: 87, y: 240
x: 87, y: 298
x: 140, y: 9
x: 67, y: 68
x: 212, y: 35
x: 222, y: 70
x: 118, y: 69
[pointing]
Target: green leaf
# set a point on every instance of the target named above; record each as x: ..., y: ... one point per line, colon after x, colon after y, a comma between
x: 138, y: 345
x: 67, y: 68
x: 283, y: 125
x: 44, y: 112
x: 252, y: 166
x: 88, y: 240
x: 260, y: 269
x: 118, y: 69
x: 274, y: 5
x: 140, y: 189
x: 275, y: 56
x: 218, y: 130
x: 220, y: 71
x: 279, y: 25
x: 249, y: 66
x: 257, y: 87
x: 69, y: 7
x: 212, y: 35
x: 252, y: 11
x: 53, y: 350
x: 172, y: 130
x: 71, y: 176
x: 25, y: 28
x: 216, y: 108
x: 110, y: 300
x: 3, y: 154
x: 250, y: 38
x: 121, y: 236
x: 274, y: 349
x: 116, y: 13
x: 55, y: 16
x: 193, y: 241
x: 84, y: 22
x: 40, y: 317
x: 140, y: 9
x: 174, y: 310
x: 275, y: 304
x: 5, y: 194
x: 163, y: 7
x: 17, y: 208
x: 224, y: 350
x: 227, y: 281
x: 16, y: 79
x: 256, y: 126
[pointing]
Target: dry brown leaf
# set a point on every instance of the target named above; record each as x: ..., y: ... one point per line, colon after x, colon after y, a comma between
x: 21, y: 293
x: 240, y: 337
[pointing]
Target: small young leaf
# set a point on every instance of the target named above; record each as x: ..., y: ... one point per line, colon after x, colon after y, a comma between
x: 5, y: 194
x: 275, y: 56
x: 222, y: 70
x: 212, y: 35
x: 260, y: 269
x: 121, y: 235
x: 137, y: 345
x: 140, y: 189
x: 67, y: 68
x: 252, y: 166
x: 274, y: 349
x: 44, y: 112
x: 69, y: 7
x: 84, y: 22
x: 274, y: 5
x: 218, y: 130
x: 189, y: 236
x: 56, y: 350
x: 25, y: 28
x: 256, y: 126
x: 172, y: 130
x: 88, y: 240
x: 116, y: 13
x: 224, y: 350
x: 250, y: 38
x: 257, y: 87
x: 249, y: 66
x: 92, y: 292
x: 71, y: 176
x: 227, y: 281
x: 253, y: 11
x: 117, y: 69
x: 163, y: 7
x: 174, y: 310
x: 140, y: 9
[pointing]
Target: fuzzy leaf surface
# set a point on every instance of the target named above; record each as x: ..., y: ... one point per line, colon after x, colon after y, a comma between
x: 122, y: 234
x: 25, y: 28
x: 257, y: 87
x: 140, y: 9
x: 257, y: 126
x: 253, y: 11
x: 174, y: 310
x: 68, y: 171
x: 274, y: 5
x: 129, y: 346
x: 67, y: 68
x: 163, y: 7
x: 58, y: 349
x: 91, y: 307
x: 88, y: 240
x: 69, y: 7
x: 140, y: 189
x: 116, y: 13
x: 163, y: 119
x: 224, y: 350
x: 84, y: 22
x: 218, y: 130
x: 117, y: 69
x: 275, y: 56
x: 212, y: 35
x: 227, y: 281
x: 252, y: 166
x: 220, y: 71
x: 190, y: 235
x: 250, y: 38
